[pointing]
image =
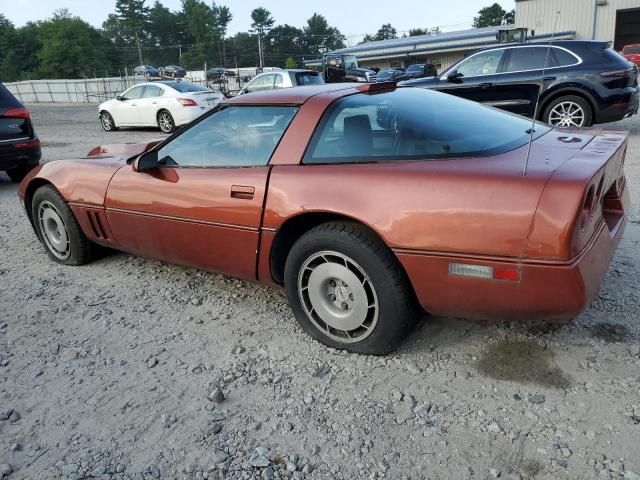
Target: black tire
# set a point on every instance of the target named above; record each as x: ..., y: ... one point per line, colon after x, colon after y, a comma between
x: 17, y: 174
x: 107, y: 122
x: 549, y: 116
x: 80, y: 249
x: 166, y: 123
x: 397, y: 308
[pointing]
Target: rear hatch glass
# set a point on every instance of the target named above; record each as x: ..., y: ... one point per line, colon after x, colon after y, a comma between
x: 308, y: 78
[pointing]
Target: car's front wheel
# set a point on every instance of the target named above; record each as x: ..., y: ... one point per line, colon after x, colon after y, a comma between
x: 568, y: 111
x: 58, y: 229
x: 348, y: 291
x: 107, y: 122
x: 166, y: 122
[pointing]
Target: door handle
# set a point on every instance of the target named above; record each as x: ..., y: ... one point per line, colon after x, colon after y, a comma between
x: 549, y: 79
x: 245, y: 192
x: 486, y: 85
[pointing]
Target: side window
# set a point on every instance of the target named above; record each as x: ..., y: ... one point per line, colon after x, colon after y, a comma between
x: 564, y: 58
x: 134, y: 93
x: 268, y: 81
x: 278, y: 81
x: 151, y: 91
x: 232, y: 137
x: 530, y: 58
x: 485, y: 63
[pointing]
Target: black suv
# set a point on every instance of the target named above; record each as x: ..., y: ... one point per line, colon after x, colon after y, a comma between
x: 419, y: 70
x: 584, y: 82
x: 19, y: 145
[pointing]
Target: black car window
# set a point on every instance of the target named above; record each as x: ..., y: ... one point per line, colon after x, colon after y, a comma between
x: 564, y: 58
x: 134, y: 93
x: 484, y: 63
x: 186, y: 87
x: 308, y: 78
x: 530, y: 58
x: 151, y: 91
x: 232, y: 137
x: 413, y: 124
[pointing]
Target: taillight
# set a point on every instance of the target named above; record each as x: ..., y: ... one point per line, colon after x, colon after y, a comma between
x: 19, y: 112
x: 29, y: 145
x: 187, y: 102
x: 617, y: 73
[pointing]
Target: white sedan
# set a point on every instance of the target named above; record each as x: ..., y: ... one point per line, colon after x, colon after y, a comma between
x: 165, y: 105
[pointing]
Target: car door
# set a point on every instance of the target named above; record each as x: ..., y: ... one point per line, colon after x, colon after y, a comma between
x: 202, y: 205
x: 521, y: 77
x: 474, y: 77
x: 148, y: 105
x: 126, y: 110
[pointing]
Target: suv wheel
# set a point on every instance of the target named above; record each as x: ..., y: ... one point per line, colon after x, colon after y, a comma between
x: 569, y: 111
x: 348, y: 291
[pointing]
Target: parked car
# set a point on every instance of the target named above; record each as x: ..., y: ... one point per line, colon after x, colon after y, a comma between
x: 19, y: 145
x: 146, y: 70
x: 362, y: 223
x: 174, y: 71
x: 632, y: 53
x: 419, y: 70
x: 217, y: 73
x: 283, y: 79
x: 389, y: 74
x: 584, y: 82
x: 165, y: 104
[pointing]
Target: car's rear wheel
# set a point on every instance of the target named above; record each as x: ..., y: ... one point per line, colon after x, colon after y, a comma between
x: 17, y: 174
x: 58, y: 229
x: 348, y: 291
x: 569, y: 111
x: 166, y: 122
x: 107, y: 122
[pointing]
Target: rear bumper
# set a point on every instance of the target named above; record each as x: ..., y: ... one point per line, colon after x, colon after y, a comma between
x: 22, y: 154
x: 624, y: 107
x: 556, y: 291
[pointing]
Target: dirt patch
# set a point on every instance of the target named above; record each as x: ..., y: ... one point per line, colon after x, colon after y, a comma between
x: 522, y: 361
x: 609, y: 332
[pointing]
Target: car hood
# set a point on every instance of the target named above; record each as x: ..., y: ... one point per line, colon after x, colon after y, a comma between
x: 85, y: 180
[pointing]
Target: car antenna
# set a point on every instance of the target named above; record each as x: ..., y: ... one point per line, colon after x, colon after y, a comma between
x: 531, y: 131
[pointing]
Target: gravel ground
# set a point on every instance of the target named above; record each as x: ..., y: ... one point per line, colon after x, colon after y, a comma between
x: 134, y: 369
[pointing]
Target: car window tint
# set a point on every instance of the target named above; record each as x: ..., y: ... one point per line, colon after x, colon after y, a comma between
x: 530, y: 58
x: 412, y: 124
x: 485, y: 63
x: 308, y: 78
x: 186, y: 87
x: 134, y: 93
x: 564, y: 58
x: 231, y: 137
x: 151, y: 91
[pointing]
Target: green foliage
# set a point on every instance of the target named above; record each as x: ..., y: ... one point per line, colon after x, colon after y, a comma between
x: 385, y: 32
x: 414, y: 32
x: 493, y: 15
x: 290, y: 63
x: 262, y: 20
x: 321, y: 37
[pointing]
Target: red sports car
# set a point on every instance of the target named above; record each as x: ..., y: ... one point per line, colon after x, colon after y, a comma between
x: 367, y: 202
x: 632, y: 53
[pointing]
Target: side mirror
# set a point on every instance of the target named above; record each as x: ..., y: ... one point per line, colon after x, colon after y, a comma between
x: 455, y: 77
x: 120, y: 98
x: 146, y: 162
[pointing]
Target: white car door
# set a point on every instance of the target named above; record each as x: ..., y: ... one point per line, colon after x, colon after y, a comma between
x: 149, y: 104
x: 126, y: 111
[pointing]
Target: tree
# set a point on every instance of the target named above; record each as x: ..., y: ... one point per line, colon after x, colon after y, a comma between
x: 321, y: 37
x: 290, y: 63
x: 71, y: 48
x: 284, y: 41
x: 414, y: 32
x: 492, y: 16
x: 262, y: 20
x: 221, y: 18
x: 164, y: 35
x: 385, y: 32
x: 132, y: 16
x: 509, y: 18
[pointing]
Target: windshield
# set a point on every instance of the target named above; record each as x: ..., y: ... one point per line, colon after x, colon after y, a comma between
x: 350, y: 61
x: 186, y: 87
x: 631, y: 50
x: 414, y: 68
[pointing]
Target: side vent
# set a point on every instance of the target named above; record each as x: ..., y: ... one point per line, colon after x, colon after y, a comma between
x: 96, y: 225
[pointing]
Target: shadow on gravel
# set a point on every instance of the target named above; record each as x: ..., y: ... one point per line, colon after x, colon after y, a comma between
x: 609, y: 332
x: 522, y: 361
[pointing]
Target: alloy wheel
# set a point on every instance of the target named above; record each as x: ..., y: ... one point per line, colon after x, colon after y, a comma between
x: 166, y: 122
x: 567, y: 114
x: 54, y: 231
x: 107, y: 122
x: 338, y: 297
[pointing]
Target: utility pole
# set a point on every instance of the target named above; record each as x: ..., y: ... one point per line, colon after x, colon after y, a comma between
x: 139, y: 49
x: 260, y: 51
x: 595, y: 19
x: 180, y: 54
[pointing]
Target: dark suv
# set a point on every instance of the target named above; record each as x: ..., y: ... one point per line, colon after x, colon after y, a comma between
x: 19, y: 145
x: 584, y: 82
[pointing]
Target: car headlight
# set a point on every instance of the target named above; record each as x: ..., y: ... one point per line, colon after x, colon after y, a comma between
x: 360, y: 79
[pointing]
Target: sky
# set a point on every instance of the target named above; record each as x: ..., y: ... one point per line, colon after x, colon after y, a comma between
x: 352, y: 17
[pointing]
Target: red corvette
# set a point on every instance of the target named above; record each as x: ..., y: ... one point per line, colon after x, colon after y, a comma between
x: 367, y: 202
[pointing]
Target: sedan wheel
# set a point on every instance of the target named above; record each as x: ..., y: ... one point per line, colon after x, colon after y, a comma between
x: 569, y: 111
x: 347, y: 289
x: 338, y: 296
x: 106, y: 120
x: 165, y: 122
